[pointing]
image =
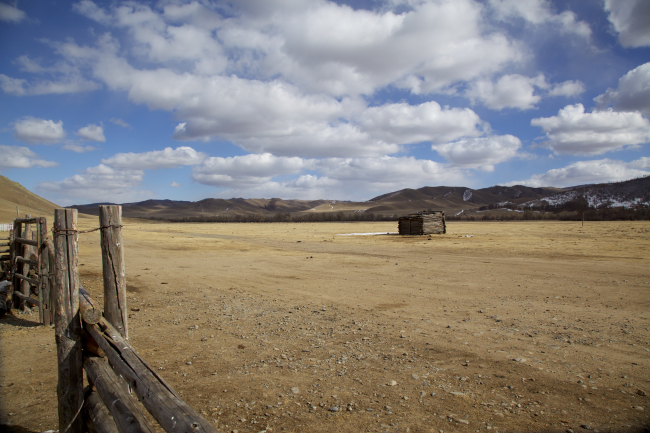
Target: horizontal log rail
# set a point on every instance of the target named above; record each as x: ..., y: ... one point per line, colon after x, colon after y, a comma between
x: 26, y: 220
x: 29, y: 280
x: 89, y: 312
x: 99, y: 415
x: 27, y: 299
x: 4, y: 258
x: 31, y: 242
x: 162, y: 402
x: 5, y: 244
x: 21, y: 259
x: 122, y: 406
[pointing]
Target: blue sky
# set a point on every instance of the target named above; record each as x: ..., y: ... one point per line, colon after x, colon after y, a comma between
x: 126, y: 101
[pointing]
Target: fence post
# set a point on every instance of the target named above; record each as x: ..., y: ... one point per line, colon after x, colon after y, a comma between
x: 44, y: 294
x: 67, y: 322
x: 16, y: 250
x: 24, y: 269
x: 115, y: 311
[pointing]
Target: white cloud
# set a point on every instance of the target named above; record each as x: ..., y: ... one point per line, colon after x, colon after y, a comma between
x: 641, y: 163
x: 343, y: 178
x: 567, y: 88
x: 632, y: 93
x: 403, y: 123
x: 32, y: 130
x: 175, y: 184
x: 92, y: 133
x: 21, y: 157
x: 166, y: 158
x: 539, y: 12
x: 11, y: 13
x: 586, y: 172
x: 246, y: 171
x: 575, y: 132
x: 98, y: 184
x: 630, y: 19
x: 518, y: 91
x: 78, y: 148
x: 121, y: 123
x: 480, y: 153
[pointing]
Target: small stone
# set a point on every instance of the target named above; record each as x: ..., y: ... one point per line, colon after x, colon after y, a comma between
x: 569, y: 430
x: 204, y: 339
x: 519, y: 359
x: 459, y: 394
x: 586, y: 426
x: 392, y: 383
x: 334, y: 409
x: 189, y: 363
x: 463, y: 421
x: 295, y: 390
x: 415, y: 376
x: 641, y: 408
x: 402, y: 336
x: 641, y: 392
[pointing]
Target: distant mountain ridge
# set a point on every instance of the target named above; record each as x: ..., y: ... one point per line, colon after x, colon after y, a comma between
x: 451, y: 199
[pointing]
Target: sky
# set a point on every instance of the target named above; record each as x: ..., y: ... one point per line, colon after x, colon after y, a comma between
x: 123, y: 101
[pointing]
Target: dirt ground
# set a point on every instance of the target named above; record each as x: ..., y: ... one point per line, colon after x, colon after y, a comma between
x: 506, y: 327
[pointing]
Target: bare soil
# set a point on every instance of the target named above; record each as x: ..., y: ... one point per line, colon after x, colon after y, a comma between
x: 508, y: 327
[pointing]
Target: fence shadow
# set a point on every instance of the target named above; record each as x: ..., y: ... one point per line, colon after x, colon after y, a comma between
x: 9, y: 428
x: 10, y: 319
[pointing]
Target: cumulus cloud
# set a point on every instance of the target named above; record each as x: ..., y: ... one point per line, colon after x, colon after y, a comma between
x: 166, y: 158
x: 98, y: 184
x: 481, y: 153
x: 21, y: 87
x: 175, y: 184
x: 344, y: 178
x: 120, y: 122
x: 11, y: 14
x: 92, y: 133
x: 21, y: 157
x: 32, y: 130
x: 632, y: 93
x: 575, y: 132
x: 246, y: 171
x: 78, y: 148
x: 518, y: 91
x: 538, y: 12
x: 403, y: 123
x: 630, y: 19
x: 585, y: 172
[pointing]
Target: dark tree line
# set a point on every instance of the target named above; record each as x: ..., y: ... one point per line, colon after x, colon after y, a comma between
x: 283, y: 217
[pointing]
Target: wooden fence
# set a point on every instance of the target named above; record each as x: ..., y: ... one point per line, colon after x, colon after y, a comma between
x: 27, y: 257
x: 6, y: 227
x: 96, y: 343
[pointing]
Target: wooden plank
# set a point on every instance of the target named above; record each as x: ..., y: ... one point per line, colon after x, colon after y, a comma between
x: 26, y: 241
x: 4, y: 258
x: 43, y: 270
x: 89, y: 311
x: 98, y: 415
x: 26, y: 279
x: 115, y: 310
x: 27, y: 220
x: 23, y: 269
x: 47, y: 288
x: 21, y: 259
x: 122, y: 406
x: 67, y: 323
x: 166, y: 406
x: 27, y: 299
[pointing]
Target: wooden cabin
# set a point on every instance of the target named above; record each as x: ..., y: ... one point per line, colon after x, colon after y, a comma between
x: 423, y: 223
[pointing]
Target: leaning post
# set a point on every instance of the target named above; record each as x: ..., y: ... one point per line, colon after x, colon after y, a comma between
x: 67, y: 322
x: 115, y: 312
x: 26, y: 253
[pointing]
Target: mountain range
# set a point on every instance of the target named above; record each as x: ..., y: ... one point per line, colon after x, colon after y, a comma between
x: 453, y: 200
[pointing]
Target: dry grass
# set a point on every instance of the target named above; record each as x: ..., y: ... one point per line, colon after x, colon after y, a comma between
x: 281, y: 306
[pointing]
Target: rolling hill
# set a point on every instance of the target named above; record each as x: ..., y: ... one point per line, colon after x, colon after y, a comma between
x: 13, y: 195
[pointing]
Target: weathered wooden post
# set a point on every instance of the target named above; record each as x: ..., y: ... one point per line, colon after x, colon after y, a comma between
x: 115, y: 312
x: 24, y: 268
x: 16, y: 250
x: 67, y: 322
x: 44, y: 294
